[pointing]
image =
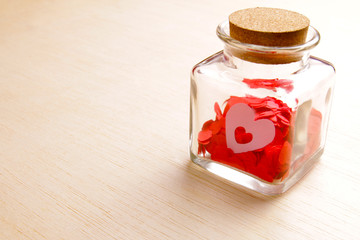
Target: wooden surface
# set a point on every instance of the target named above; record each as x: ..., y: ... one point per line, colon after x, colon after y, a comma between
x: 94, y: 108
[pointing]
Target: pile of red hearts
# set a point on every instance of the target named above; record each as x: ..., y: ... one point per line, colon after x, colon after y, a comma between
x: 270, y: 162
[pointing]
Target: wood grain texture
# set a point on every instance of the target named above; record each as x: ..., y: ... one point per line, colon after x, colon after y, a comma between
x: 94, y: 126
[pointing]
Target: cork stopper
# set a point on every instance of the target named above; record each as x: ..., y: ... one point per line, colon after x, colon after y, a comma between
x: 268, y: 27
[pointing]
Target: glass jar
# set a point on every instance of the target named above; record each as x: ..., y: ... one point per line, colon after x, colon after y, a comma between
x: 259, y: 114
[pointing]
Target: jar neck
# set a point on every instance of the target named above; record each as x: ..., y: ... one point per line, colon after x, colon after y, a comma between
x: 255, y: 58
x: 258, y: 69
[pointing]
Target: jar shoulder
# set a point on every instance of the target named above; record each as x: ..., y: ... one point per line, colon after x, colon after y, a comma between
x: 319, y: 62
x: 215, y: 62
x: 218, y: 64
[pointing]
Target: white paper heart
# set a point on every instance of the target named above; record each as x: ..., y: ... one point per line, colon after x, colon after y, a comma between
x: 241, y: 115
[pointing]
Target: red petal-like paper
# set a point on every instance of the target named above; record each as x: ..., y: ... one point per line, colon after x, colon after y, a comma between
x: 204, y: 136
x: 271, y: 84
x: 271, y: 162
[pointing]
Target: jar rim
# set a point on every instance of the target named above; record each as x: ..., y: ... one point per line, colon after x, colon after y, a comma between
x: 312, y: 39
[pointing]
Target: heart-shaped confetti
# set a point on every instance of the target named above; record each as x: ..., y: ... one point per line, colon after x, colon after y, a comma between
x: 271, y: 162
x: 241, y: 136
x: 262, y: 131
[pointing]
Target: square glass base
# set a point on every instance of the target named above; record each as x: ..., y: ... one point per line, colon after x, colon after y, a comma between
x: 253, y: 183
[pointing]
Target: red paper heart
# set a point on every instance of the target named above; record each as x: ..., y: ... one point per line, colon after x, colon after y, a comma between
x: 241, y: 136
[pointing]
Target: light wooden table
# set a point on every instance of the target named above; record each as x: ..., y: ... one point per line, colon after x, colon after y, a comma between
x: 94, y: 99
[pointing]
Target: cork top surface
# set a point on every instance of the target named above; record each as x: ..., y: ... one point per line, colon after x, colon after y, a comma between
x: 268, y: 26
x: 270, y: 20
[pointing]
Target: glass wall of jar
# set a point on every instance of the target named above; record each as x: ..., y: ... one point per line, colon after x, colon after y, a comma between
x: 259, y: 114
